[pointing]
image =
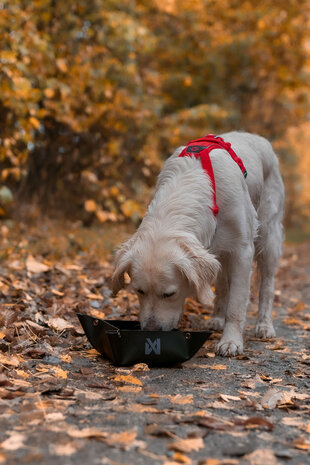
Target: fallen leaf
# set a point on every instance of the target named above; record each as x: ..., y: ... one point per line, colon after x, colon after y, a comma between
x: 142, y: 408
x: 58, y: 293
x: 227, y: 398
x: 86, y: 433
x: 14, y: 441
x: 218, y: 367
x: 59, y: 324
x: 140, y: 367
x: 256, y: 422
x: 123, y: 440
x: 181, y: 400
x: 127, y: 388
x: 252, y: 383
x: 181, y: 458
x: 128, y: 379
x: 11, y: 360
x: 300, y: 306
x: 212, y: 423
x: 271, y: 398
x: 262, y: 456
x: 60, y: 373
x: 90, y: 206
x: 226, y: 461
x: 159, y: 431
x: 186, y: 445
x: 302, y: 444
x: 92, y: 296
x: 66, y: 449
x: 34, y: 266
x: 55, y: 416
x: 294, y: 322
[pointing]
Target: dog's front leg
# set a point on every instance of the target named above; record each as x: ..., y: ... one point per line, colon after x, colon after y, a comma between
x: 231, y: 342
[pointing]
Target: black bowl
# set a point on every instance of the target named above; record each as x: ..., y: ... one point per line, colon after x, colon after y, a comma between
x: 124, y: 343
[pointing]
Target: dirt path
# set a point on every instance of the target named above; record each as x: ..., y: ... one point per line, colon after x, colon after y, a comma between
x: 61, y: 403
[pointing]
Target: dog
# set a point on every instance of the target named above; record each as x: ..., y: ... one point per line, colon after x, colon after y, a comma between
x: 180, y: 248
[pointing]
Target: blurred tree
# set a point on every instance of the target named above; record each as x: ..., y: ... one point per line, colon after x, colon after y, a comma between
x: 94, y: 93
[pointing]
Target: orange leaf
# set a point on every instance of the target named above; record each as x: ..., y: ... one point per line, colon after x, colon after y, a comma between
x: 34, y: 122
x: 49, y: 93
x: 181, y: 400
x: 60, y: 373
x: 128, y: 379
x: 218, y: 367
x: 302, y: 444
x: 34, y: 266
x: 187, y: 445
x: 10, y: 360
x: 90, y: 206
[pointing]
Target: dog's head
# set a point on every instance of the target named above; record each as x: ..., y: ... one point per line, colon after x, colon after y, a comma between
x: 163, y: 273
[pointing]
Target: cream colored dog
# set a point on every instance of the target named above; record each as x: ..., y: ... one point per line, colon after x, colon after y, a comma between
x: 180, y: 249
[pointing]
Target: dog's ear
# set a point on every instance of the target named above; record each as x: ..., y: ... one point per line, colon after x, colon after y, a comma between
x: 200, y: 268
x: 123, y: 259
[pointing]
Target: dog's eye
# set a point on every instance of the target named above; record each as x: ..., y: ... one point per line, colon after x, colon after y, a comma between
x: 166, y: 296
x: 139, y: 291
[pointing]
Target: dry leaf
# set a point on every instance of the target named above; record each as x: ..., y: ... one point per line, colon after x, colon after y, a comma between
x: 142, y: 408
x: 59, y: 324
x: 294, y: 322
x: 218, y: 367
x: 34, y: 266
x: 85, y: 433
x: 128, y: 388
x: 128, y: 379
x: 227, y: 461
x: 300, y: 306
x: 55, y: 416
x: 256, y: 422
x: 14, y: 441
x: 181, y: 400
x: 181, y: 458
x: 140, y: 367
x: 187, y: 445
x: 213, y: 423
x: 58, y: 293
x: 262, y: 456
x: 271, y: 398
x: 10, y: 360
x: 252, y: 383
x: 227, y: 398
x: 302, y: 444
x: 66, y: 449
x: 123, y: 440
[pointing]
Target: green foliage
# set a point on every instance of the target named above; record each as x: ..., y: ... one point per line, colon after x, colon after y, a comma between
x: 95, y: 92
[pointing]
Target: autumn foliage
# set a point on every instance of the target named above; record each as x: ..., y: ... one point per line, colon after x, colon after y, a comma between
x: 94, y: 94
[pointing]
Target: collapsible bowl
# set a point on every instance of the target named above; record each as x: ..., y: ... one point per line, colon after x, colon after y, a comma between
x: 124, y: 343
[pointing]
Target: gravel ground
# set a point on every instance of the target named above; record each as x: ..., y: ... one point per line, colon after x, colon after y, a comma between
x: 61, y: 403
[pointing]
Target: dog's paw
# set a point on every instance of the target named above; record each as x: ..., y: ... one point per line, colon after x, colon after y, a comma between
x: 229, y: 348
x: 265, y: 330
x: 216, y: 324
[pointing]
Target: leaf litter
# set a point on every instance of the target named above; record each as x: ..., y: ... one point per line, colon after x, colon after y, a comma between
x: 58, y: 393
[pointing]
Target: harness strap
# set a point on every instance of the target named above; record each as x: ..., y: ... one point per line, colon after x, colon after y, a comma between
x: 201, y: 148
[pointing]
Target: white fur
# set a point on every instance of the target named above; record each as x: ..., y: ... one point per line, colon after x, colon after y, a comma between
x: 179, y: 248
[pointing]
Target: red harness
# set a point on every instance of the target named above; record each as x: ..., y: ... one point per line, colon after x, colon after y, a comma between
x: 201, y: 148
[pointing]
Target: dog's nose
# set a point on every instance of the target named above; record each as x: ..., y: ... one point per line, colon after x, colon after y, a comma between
x: 151, y: 325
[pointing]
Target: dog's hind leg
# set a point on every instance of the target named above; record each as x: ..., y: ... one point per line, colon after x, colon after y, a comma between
x: 222, y: 285
x: 268, y: 251
x: 267, y: 260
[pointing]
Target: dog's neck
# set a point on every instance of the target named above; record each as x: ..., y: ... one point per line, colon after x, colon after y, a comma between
x: 182, y: 203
